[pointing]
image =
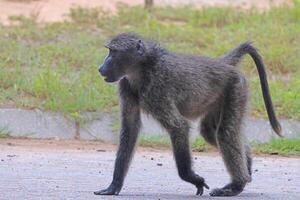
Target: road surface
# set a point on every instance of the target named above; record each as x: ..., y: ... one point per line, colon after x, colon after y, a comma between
x: 49, y: 169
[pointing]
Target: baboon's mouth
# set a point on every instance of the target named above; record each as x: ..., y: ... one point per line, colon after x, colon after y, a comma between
x: 108, y: 80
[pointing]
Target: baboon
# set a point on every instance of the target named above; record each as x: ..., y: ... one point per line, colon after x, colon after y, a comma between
x: 176, y: 88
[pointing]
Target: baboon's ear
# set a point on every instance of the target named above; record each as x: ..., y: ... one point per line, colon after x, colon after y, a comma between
x: 140, y: 47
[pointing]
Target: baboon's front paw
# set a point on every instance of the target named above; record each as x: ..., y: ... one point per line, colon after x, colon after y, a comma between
x: 200, y: 186
x: 111, y: 190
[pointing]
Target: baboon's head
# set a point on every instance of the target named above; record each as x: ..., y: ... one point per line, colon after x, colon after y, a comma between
x: 126, y: 52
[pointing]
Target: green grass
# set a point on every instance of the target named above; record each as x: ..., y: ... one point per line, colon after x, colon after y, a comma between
x: 285, y: 95
x: 4, y: 132
x: 200, y: 145
x: 54, y: 66
x: 154, y: 141
x: 284, y: 147
x: 279, y: 147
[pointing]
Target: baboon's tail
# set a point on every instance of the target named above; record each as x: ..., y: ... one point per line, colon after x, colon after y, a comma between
x: 235, y: 56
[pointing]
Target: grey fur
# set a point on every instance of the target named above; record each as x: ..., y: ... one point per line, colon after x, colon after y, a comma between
x: 174, y: 89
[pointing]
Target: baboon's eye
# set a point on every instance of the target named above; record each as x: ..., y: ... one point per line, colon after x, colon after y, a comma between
x: 112, y: 51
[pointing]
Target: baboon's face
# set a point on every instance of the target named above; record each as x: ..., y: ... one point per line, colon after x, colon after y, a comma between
x: 112, y: 68
x: 122, y: 59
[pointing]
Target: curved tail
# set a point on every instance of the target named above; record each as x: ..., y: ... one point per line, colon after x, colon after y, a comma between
x: 234, y: 57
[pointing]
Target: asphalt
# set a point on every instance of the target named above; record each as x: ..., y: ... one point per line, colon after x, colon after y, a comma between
x: 58, y: 170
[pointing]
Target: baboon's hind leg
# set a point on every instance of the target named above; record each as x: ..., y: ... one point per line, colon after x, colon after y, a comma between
x: 208, y: 130
x: 230, y: 142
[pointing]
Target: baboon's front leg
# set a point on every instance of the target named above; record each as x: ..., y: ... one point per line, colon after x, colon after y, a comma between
x: 129, y: 131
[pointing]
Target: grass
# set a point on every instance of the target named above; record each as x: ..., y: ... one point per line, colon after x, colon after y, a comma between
x: 279, y: 147
x: 200, y: 145
x: 157, y: 141
x: 4, y: 132
x: 54, y: 66
x: 154, y: 141
x: 283, y: 147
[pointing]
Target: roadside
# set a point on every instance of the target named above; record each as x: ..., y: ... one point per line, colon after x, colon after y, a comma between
x: 21, y: 123
x: 43, y: 169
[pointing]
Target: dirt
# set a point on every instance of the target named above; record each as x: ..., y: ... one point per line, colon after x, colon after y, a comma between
x: 57, y: 10
x: 67, y: 145
x: 70, y: 169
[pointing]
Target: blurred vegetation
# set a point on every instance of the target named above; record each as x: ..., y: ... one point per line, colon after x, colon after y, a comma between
x: 283, y: 147
x: 54, y: 66
x: 278, y: 147
x: 4, y: 132
x: 155, y: 141
x: 200, y: 145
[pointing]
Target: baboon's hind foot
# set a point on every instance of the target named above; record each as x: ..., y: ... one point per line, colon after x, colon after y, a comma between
x: 231, y: 189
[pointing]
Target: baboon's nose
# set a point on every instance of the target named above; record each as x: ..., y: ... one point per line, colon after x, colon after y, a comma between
x: 102, y: 71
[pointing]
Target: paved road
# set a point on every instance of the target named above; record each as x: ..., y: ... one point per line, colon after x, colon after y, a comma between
x: 36, y: 169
